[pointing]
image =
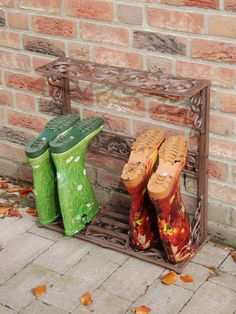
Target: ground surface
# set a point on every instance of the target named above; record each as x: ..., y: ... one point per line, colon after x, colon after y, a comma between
x: 30, y: 256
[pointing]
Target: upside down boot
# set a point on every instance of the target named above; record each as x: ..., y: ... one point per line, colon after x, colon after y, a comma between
x: 164, y: 191
x: 44, y: 172
x: 135, y: 176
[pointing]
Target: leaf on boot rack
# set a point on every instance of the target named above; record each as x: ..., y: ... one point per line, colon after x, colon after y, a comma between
x: 233, y: 254
x: 3, y: 211
x: 32, y: 212
x: 4, y: 185
x: 39, y: 291
x: 86, y: 299
x: 169, y: 278
x: 24, y: 191
x: 186, y: 278
x: 13, y: 190
x: 214, y: 272
x: 13, y: 213
x: 141, y: 309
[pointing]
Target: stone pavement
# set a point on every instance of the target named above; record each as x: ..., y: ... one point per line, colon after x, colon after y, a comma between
x: 30, y: 256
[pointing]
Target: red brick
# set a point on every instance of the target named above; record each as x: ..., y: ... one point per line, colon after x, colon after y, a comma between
x: 49, y: 6
x: 220, y: 25
x: 102, y: 195
x: 26, y: 173
x: 90, y: 9
x: 220, y: 76
x: 38, y: 62
x: 223, y: 193
x: 171, y: 114
x: 18, y: 20
x: 218, y: 170
x: 8, y: 168
x: 36, y: 84
x: 130, y: 14
x: 159, y: 64
x: 228, y: 102
x: 26, y: 102
x: 14, y: 60
x: 91, y: 173
x: 108, y: 180
x: 7, y: 3
x: 2, y: 115
x: 105, y: 162
x: 104, y: 34
x: 214, y: 50
x: 24, y: 120
x: 6, y: 98
x: 53, y: 26
x: 121, y: 103
x: 12, y: 151
x: 179, y: 21
x: 206, y: 4
x: 9, y: 39
x: 113, y: 123
x: 120, y: 201
x: 117, y: 58
x: 222, y: 148
x: 221, y: 125
x: 230, y: 5
x: 78, y: 51
x: 214, y: 98
x: 234, y: 173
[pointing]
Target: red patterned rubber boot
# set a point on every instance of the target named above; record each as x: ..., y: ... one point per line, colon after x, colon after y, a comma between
x: 164, y: 191
x: 135, y: 176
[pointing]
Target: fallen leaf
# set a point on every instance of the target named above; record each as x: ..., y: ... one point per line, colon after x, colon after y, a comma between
x: 40, y: 290
x: 12, y: 190
x: 26, y: 190
x: 4, y: 185
x: 32, y: 212
x: 12, y: 212
x: 3, y: 211
x: 86, y: 299
x: 169, y: 278
x: 141, y: 310
x: 186, y: 278
x: 233, y: 254
x: 214, y: 272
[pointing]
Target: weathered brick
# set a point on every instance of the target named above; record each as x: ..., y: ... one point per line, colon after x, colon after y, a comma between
x: 39, y: 61
x: 121, y: 103
x: 109, y: 180
x: 7, y: 3
x: 222, y: 192
x: 90, y: 9
x: 36, y: 84
x: 2, y: 116
x: 159, y: 64
x: 15, y: 136
x: 112, y: 164
x: 104, y: 34
x: 214, y: 50
x: 220, y: 25
x: 8, y: 168
x: 220, y: 76
x: 179, y: 21
x: 159, y: 42
x: 42, y: 45
x: 234, y: 177
x: 49, y: 6
x: 50, y: 107
x: 228, y: 102
x: 230, y: 5
x: 6, y: 98
x: 207, y: 4
x: 24, y: 120
x: 102, y: 195
x: 222, y: 148
x: 14, y: 152
x: 9, y: 39
x: 78, y: 51
x: 53, y: 26
x: 221, y: 125
x: 18, y: 20
x: 130, y: 14
x: 2, y: 18
x: 13, y: 60
x: 117, y: 57
x: 218, y: 170
x: 25, y: 173
x: 120, y: 201
x: 26, y: 102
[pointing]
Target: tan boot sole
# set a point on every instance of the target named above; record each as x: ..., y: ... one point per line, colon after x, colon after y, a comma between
x: 143, y: 152
x: 172, y: 157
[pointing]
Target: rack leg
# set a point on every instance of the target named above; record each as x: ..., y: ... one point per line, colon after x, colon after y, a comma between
x: 66, y: 100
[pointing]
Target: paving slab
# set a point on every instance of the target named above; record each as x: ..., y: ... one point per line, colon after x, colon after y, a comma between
x: 163, y: 299
x: 104, y: 302
x: 46, y: 233
x: 211, y: 255
x: 132, y: 278
x: 229, y: 265
x: 225, y: 279
x: 37, y: 307
x: 5, y: 310
x: 211, y: 298
x: 19, y: 253
x: 17, y: 292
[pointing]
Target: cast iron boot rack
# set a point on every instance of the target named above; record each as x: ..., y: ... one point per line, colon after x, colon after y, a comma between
x: 110, y: 228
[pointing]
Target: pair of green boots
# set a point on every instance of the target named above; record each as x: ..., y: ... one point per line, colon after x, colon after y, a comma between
x: 61, y: 185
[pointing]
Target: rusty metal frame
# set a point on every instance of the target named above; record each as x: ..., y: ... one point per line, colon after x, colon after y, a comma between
x: 110, y: 228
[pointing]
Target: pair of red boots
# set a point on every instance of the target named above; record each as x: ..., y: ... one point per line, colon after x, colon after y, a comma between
x: 157, y: 210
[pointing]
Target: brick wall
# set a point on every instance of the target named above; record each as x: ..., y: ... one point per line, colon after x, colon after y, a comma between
x: 186, y: 37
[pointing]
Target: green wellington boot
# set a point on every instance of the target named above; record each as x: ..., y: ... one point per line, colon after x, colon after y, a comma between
x: 44, y: 172
x: 77, y: 200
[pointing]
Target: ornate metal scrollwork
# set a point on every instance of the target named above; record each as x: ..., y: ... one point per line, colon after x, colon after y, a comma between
x: 196, y: 232
x: 55, y: 82
x: 197, y: 103
x: 192, y: 162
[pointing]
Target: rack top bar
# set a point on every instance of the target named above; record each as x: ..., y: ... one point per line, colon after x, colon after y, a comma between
x: 152, y: 84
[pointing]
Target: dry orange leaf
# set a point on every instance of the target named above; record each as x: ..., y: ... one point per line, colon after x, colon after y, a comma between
x: 186, y: 278
x: 141, y: 310
x: 32, y: 212
x: 169, y: 278
x: 40, y: 291
x: 233, y: 254
x: 12, y: 190
x: 86, y: 299
x: 24, y: 191
x: 4, y: 185
x: 214, y: 272
x: 3, y: 211
x: 13, y: 213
